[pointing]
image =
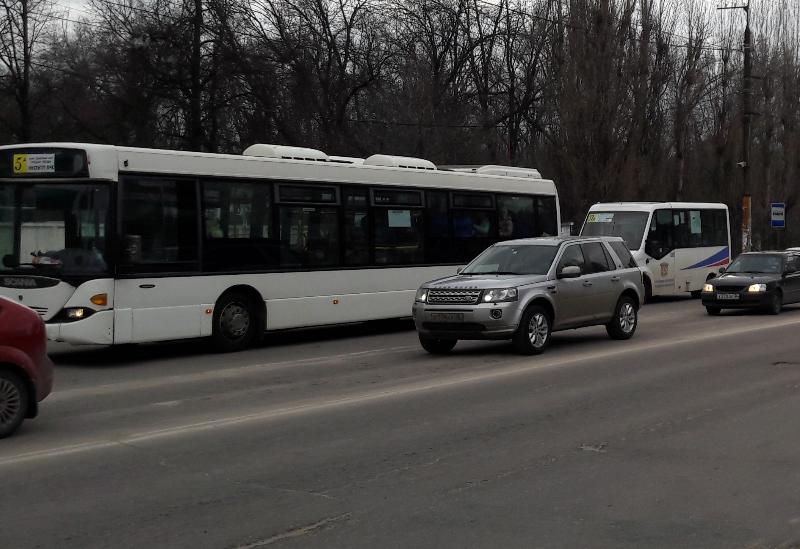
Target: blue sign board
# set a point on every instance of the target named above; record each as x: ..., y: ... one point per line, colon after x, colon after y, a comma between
x: 777, y: 216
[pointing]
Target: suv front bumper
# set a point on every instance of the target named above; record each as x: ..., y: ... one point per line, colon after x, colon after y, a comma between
x: 480, y: 321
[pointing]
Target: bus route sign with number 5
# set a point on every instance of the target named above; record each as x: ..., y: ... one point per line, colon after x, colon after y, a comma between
x: 34, y: 163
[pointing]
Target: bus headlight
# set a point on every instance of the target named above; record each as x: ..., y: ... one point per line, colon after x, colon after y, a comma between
x: 72, y: 314
x: 708, y: 288
x: 757, y: 288
x: 422, y: 295
x: 502, y: 294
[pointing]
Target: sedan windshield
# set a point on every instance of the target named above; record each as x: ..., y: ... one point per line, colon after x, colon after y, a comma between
x: 54, y: 229
x: 629, y: 225
x: 528, y: 259
x: 757, y: 263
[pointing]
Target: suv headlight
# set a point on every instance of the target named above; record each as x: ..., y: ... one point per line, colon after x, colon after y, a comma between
x: 422, y: 295
x: 502, y: 294
x: 757, y: 288
x: 708, y: 288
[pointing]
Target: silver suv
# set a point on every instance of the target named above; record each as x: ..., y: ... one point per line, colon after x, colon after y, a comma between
x: 526, y: 289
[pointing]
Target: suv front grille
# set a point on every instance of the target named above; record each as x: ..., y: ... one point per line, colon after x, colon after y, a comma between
x: 454, y: 297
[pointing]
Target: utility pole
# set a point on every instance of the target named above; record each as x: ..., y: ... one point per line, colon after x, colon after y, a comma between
x: 747, y: 114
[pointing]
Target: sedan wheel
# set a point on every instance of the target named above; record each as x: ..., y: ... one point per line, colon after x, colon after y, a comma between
x: 13, y: 402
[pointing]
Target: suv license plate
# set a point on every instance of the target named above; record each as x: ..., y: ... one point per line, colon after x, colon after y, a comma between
x: 447, y: 317
x: 728, y: 296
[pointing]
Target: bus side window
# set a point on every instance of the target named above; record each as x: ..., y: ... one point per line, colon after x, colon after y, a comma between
x: 715, y: 228
x: 159, y: 220
x: 660, y: 237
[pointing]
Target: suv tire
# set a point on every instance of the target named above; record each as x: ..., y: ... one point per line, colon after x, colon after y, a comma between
x: 626, y: 317
x: 533, y: 334
x: 437, y: 346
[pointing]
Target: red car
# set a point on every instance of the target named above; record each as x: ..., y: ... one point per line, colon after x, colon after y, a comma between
x: 26, y: 372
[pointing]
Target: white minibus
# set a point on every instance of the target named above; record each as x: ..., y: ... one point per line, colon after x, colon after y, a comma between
x: 678, y: 245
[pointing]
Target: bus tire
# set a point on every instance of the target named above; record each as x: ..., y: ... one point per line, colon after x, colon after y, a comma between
x: 235, y: 323
x: 437, y: 346
x: 648, y: 290
x: 14, y: 397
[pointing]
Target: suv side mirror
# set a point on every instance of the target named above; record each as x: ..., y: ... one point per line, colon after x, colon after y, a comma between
x: 570, y: 271
x: 459, y: 269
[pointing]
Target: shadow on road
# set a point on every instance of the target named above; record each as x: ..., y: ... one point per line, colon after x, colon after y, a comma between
x: 125, y: 355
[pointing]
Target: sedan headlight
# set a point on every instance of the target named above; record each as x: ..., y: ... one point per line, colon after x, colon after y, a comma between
x: 757, y: 288
x: 502, y: 294
x: 708, y: 288
x: 422, y: 295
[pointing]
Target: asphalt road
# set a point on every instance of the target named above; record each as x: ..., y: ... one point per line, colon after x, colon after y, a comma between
x: 685, y: 436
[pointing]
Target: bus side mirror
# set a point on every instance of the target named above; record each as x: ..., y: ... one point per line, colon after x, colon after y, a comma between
x: 132, y: 248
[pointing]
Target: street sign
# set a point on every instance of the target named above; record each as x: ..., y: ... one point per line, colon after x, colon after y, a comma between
x: 778, y: 215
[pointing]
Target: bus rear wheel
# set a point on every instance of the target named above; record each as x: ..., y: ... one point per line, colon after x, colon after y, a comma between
x: 235, y: 322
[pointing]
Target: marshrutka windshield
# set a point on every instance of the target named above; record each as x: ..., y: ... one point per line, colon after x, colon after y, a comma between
x: 757, y: 263
x: 629, y: 225
x: 61, y: 229
x: 529, y: 259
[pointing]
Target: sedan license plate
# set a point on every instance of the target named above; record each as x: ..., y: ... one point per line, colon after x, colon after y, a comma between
x: 729, y: 297
x: 447, y: 317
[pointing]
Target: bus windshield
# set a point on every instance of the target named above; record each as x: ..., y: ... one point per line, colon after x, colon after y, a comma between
x: 629, y: 225
x: 54, y: 229
x: 523, y: 259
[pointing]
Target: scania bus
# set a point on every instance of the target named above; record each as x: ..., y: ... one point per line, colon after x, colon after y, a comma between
x: 678, y: 245
x: 123, y: 245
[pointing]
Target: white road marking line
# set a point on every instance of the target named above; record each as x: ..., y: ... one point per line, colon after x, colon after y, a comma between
x: 321, y: 405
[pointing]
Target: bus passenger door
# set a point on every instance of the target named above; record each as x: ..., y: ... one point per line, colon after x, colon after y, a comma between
x: 156, y: 299
x: 660, y: 250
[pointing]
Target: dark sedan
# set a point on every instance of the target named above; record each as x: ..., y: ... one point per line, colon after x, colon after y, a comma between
x: 755, y: 280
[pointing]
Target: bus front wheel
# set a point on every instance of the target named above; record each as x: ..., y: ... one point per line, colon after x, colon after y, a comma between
x: 235, y: 322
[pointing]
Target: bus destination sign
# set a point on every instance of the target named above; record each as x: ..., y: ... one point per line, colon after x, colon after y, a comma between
x: 43, y: 162
x: 34, y: 163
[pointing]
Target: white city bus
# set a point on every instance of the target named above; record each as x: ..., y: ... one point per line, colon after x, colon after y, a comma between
x: 118, y: 245
x: 678, y: 245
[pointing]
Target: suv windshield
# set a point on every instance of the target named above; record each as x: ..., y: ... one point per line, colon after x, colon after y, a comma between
x: 629, y: 225
x: 54, y: 229
x: 757, y: 263
x: 524, y: 259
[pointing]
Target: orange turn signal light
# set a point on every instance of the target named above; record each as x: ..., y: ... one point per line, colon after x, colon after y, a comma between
x: 99, y: 299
